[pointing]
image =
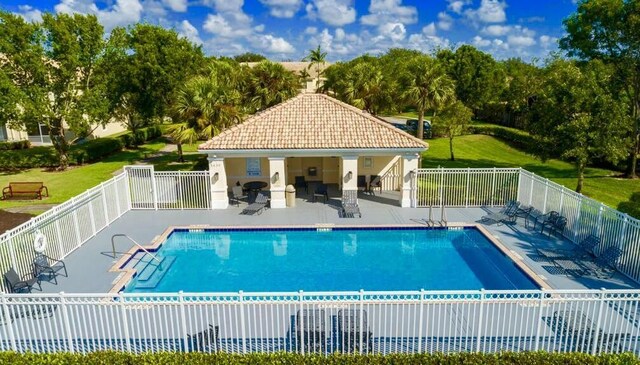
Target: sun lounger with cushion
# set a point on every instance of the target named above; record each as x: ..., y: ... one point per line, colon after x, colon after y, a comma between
x: 506, y: 214
x: 257, y: 206
x: 311, y: 330
x: 350, y: 204
x: 351, y: 334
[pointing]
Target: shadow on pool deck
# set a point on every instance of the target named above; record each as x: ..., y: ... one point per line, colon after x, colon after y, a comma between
x: 88, y: 266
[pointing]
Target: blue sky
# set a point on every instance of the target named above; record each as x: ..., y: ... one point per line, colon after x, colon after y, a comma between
x: 287, y: 29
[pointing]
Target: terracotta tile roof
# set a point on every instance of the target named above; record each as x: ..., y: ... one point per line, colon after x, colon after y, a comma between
x: 296, y: 67
x: 312, y: 121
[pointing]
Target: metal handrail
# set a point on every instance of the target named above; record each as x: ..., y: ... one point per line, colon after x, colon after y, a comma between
x: 113, y: 246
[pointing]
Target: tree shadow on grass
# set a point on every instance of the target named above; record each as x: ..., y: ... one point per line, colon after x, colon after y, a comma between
x: 632, y: 206
x: 547, y: 171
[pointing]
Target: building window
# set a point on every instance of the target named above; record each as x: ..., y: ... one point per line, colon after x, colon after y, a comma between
x: 253, y: 167
x: 368, y: 162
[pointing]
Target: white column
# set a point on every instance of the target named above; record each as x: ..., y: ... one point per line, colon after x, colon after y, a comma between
x: 218, y: 179
x: 409, y: 164
x: 277, y: 182
x: 349, y: 173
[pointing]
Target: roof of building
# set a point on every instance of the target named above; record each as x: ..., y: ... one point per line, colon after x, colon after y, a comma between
x: 312, y: 122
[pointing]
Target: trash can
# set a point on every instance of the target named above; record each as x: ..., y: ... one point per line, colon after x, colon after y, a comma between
x: 290, y: 195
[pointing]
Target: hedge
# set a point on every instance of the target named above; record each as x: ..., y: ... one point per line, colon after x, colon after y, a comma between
x: 516, y: 137
x: 33, y: 157
x: 117, y: 358
x: 140, y: 136
x: 15, y: 145
x: 95, y: 150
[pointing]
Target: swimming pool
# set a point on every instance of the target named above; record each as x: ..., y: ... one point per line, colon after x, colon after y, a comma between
x: 338, y: 259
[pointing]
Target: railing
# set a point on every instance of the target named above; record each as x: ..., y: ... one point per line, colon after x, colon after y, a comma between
x: 168, y: 190
x: 113, y: 246
x: 391, y: 180
x: 66, y: 226
x: 350, y: 322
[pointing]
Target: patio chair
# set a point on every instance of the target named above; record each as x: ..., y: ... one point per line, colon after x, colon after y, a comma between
x: 350, y: 204
x: 533, y: 216
x: 523, y: 211
x: 605, y: 265
x: 375, y: 183
x: 311, y: 330
x: 556, y: 226
x: 506, y: 215
x: 238, y: 195
x: 577, y: 332
x: 321, y: 190
x: 546, y: 219
x: 351, y: 335
x: 301, y: 183
x: 362, y: 183
x: 257, y: 206
x: 580, y: 250
x: 45, y: 265
x: 19, y: 284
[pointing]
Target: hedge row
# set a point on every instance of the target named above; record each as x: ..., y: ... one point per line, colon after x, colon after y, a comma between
x: 516, y: 137
x: 91, y: 151
x: 524, y: 358
x: 15, y: 145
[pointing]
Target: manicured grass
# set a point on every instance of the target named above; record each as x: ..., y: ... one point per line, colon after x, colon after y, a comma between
x: 485, y: 151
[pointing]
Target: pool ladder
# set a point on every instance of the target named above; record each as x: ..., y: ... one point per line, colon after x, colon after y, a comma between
x: 443, y: 217
x: 113, y: 246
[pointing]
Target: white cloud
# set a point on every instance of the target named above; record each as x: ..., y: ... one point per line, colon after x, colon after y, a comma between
x: 29, y: 13
x: 176, y: 5
x: 490, y: 11
x: 122, y: 13
x: 333, y: 12
x: 282, y: 8
x: 270, y: 44
x: 311, y: 30
x: 520, y: 41
x: 259, y: 28
x: 445, y: 21
x: 385, y: 11
x: 188, y: 31
x: 426, y: 43
x: 394, y: 31
x: 496, y: 30
x: 547, y: 41
x: 224, y: 5
x: 481, y: 42
x: 457, y: 5
x: 429, y: 29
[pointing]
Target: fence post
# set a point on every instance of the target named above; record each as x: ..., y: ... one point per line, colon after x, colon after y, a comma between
x: 594, y: 346
x: 75, y: 221
x: 92, y: 218
x: 183, y: 321
x: 493, y: 187
x: 8, y: 322
x: 361, y: 328
x: 480, y: 322
x: 127, y: 185
x: 546, y: 191
x: 420, y: 319
x: 66, y: 322
x: 519, y: 183
x: 154, y: 188
x: 180, y: 192
x: 125, y: 322
x: 623, y: 236
x: 536, y: 345
x: 578, y: 224
x: 104, y: 205
x: 301, y: 320
x: 562, y: 189
x: 242, y: 329
x: 599, y: 225
x: 441, y: 186
x: 530, y: 190
x: 117, y: 191
x: 466, y: 202
x: 59, y: 237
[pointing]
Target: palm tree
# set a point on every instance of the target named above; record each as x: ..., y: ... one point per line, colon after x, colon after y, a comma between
x: 268, y: 84
x: 427, y: 88
x: 318, y: 58
x: 205, y: 106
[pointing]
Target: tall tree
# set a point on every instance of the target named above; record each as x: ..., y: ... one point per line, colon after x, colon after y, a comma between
x: 577, y: 116
x: 147, y: 64
x: 249, y: 57
x: 51, y: 66
x: 427, y: 87
x: 454, y: 120
x: 522, y: 86
x: 609, y: 30
x: 317, y: 59
x: 269, y: 83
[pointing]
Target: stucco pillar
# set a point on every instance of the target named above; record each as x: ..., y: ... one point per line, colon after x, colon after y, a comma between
x: 218, y: 179
x: 409, y: 166
x: 349, y: 173
x: 277, y: 182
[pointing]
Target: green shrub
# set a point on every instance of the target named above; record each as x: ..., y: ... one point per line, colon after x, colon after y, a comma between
x: 523, y: 358
x: 516, y: 137
x: 15, y: 145
x: 95, y: 150
x: 140, y: 136
x: 31, y: 157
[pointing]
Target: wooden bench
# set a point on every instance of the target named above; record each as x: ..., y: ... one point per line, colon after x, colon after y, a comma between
x: 35, y: 189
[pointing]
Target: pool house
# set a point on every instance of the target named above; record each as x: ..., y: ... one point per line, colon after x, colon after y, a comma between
x: 441, y: 260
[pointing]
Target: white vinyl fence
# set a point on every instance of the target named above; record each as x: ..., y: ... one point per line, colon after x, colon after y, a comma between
x: 350, y: 322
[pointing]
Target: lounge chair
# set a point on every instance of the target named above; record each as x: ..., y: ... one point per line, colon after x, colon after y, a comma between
x: 555, y: 226
x: 203, y: 340
x: 605, y: 265
x: 375, y: 183
x: 321, y: 190
x: 301, y: 183
x: 506, y: 215
x: 311, y: 331
x: 19, y: 284
x: 350, y: 204
x: 45, y: 265
x: 350, y: 332
x: 546, y: 219
x: 577, y: 331
x: 238, y: 195
x: 257, y: 206
x: 533, y: 217
x: 583, y: 249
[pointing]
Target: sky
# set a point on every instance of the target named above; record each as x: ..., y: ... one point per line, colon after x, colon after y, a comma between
x: 288, y: 29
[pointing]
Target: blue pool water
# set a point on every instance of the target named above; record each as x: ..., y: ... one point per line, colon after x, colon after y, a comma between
x: 344, y: 259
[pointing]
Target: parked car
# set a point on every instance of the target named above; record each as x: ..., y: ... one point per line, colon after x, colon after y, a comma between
x: 412, y: 125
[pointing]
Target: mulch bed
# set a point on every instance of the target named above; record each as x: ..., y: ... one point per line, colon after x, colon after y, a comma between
x: 10, y: 220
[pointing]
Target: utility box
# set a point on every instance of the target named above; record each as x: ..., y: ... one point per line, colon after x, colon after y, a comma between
x: 290, y: 196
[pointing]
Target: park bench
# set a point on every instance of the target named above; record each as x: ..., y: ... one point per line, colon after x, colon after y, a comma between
x: 25, y: 188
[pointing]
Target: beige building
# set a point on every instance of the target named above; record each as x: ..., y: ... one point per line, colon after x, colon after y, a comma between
x: 40, y: 135
x: 315, y: 136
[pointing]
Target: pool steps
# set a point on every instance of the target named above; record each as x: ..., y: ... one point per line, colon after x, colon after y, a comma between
x: 146, y: 268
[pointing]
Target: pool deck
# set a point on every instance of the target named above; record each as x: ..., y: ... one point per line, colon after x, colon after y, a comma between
x: 89, y: 265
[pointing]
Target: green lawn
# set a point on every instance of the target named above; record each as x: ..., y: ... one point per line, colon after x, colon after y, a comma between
x: 485, y: 151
